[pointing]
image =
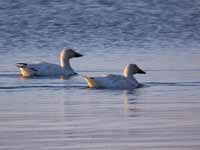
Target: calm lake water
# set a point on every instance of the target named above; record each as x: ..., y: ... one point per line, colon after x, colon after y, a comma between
x: 162, y: 37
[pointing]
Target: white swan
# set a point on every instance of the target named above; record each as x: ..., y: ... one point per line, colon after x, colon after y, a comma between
x: 49, y: 69
x: 116, y: 81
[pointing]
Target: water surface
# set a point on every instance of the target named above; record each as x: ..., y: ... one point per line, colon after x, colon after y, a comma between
x: 56, y: 114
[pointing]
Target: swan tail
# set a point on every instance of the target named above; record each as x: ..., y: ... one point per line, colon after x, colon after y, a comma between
x: 21, y: 65
x: 26, y: 70
x: 90, y: 81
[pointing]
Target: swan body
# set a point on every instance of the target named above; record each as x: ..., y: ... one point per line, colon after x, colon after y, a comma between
x: 49, y: 69
x: 111, y: 81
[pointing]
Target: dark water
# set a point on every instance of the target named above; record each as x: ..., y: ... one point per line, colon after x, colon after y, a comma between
x: 162, y: 37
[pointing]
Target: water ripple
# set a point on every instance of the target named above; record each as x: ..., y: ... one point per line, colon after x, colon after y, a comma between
x: 194, y: 83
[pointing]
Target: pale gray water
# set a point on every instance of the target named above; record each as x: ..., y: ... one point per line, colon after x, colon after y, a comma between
x: 57, y: 114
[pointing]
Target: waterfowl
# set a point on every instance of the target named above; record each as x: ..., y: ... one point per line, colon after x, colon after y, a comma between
x: 49, y: 69
x: 111, y: 81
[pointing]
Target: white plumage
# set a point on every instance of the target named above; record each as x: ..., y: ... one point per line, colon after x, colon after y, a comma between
x: 49, y: 69
x: 126, y: 81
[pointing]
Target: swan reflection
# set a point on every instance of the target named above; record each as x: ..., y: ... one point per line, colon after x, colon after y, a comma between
x: 131, y: 103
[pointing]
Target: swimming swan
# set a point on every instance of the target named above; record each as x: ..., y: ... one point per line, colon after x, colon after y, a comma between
x: 49, y: 69
x: 116, y: 81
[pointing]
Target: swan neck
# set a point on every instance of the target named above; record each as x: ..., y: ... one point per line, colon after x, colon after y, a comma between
x: 65, y: 63
x: 127, y: 73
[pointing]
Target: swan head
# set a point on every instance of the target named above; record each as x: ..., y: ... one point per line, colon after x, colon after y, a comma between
x: 132, y: 69
x: 67, y: 53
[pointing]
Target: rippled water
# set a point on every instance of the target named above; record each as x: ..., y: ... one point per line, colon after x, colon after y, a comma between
x: 162, y: 37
